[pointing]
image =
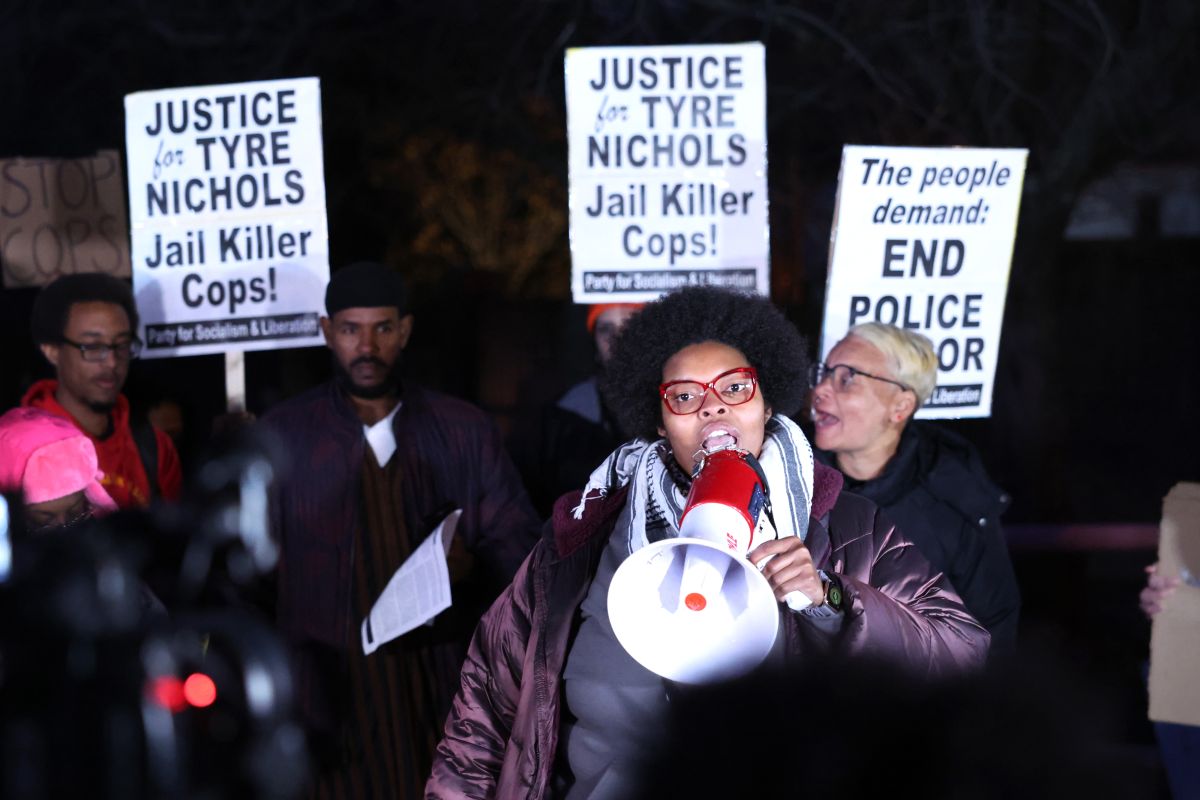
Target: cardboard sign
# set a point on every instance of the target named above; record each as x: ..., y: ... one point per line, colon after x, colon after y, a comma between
x: 1175, y: 635
x: 923, y: 239
x: 62, y: 216
x: 668, y: 150
x: 227, y: 203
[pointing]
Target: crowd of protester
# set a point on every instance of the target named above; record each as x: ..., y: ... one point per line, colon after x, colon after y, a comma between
x: 888, y: 526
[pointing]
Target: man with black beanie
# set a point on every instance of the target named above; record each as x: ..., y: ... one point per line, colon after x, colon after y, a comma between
x: 376, y: 463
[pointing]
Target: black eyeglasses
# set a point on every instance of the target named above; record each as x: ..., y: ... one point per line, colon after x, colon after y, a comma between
x: 842, y: 377
x: 100, y: 351
x: 76, y: 515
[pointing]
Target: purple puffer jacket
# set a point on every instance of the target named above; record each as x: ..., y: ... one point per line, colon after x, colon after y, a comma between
x: 502, y: 732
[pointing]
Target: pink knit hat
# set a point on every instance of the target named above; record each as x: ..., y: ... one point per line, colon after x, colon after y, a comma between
x: 46, y: 457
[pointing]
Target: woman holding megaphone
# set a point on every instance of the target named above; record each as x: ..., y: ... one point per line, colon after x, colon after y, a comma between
x: 552, y: 703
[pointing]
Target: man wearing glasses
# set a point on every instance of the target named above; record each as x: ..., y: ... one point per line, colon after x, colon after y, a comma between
x: 84, y: 325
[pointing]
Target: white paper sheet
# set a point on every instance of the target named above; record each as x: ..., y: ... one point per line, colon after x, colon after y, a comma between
x: 417, y: 592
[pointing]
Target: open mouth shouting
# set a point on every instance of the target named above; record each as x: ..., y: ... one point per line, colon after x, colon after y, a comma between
x: 718, y: 436
x: 822, y: 419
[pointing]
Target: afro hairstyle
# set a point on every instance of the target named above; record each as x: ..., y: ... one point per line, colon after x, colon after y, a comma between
x: 52, y: 306
x: 749, y: 323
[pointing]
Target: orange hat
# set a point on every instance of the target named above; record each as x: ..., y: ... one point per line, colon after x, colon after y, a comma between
x: 599, y: 308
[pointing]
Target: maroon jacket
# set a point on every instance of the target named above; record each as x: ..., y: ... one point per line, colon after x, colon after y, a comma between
x: 451, y: 456
x: 502, y: 733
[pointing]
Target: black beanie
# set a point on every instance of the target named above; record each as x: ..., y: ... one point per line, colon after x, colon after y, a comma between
x: 365, y: 284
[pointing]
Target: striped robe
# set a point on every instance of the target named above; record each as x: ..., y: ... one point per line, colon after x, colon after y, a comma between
x: 344, y: 525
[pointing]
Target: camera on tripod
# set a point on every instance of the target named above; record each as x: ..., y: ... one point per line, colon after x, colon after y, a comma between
x: 105, y: 691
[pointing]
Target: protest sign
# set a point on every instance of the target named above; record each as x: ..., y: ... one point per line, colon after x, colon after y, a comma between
x: 1175, y: 635
x: 923, y: 239
x: 227, y: 205
x: 62, y: 216
x: 667, y: 157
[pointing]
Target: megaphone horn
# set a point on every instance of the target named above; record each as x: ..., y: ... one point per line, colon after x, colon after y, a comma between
x: 693, y: 609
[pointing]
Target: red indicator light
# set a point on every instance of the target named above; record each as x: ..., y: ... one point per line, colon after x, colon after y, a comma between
x: 167, y: 691
x: 199, y: 690
x: 695, y: 601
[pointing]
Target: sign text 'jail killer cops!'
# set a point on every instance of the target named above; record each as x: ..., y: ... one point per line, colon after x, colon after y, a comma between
x: 227, y: 210
x: 668, y: 170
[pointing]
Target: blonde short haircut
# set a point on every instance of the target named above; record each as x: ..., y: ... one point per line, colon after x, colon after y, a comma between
x: 910, y: 354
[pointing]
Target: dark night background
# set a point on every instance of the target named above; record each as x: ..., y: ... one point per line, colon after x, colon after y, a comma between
x: 445, y: 155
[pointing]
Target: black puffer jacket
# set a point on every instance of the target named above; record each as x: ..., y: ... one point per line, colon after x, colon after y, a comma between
x: 937, y: 492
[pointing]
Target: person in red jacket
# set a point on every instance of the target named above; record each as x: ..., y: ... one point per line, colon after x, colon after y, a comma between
x: 85, y: 324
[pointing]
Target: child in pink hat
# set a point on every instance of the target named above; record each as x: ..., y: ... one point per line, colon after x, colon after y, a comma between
x: 53, y: 464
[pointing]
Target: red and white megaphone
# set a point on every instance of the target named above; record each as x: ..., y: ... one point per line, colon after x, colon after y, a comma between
x: 693, y: 609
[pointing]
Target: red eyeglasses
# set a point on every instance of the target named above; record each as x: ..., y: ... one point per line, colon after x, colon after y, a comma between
x: 733, y: 387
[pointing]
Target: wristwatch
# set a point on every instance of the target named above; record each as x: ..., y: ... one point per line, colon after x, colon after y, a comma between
x: 833, y: 592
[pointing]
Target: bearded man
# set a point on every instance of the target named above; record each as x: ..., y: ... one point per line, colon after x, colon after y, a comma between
x: 375, y: 464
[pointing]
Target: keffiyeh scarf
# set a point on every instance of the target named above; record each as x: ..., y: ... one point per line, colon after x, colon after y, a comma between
x: 656, y: 498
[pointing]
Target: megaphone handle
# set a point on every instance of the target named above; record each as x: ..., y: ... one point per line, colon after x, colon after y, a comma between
x: 762, y: 478
x: 797, y: 601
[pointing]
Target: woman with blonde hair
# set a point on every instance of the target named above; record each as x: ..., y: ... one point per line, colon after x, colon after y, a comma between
x: 929, y: 481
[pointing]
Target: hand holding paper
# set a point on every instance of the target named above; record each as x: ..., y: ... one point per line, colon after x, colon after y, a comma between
x: 417, y: 592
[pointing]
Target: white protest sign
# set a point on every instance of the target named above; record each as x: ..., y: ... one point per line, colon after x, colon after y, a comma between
x: 923, y: 239
x: 227, y: 210
x: 60, y: 216
x: 667, y: 156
